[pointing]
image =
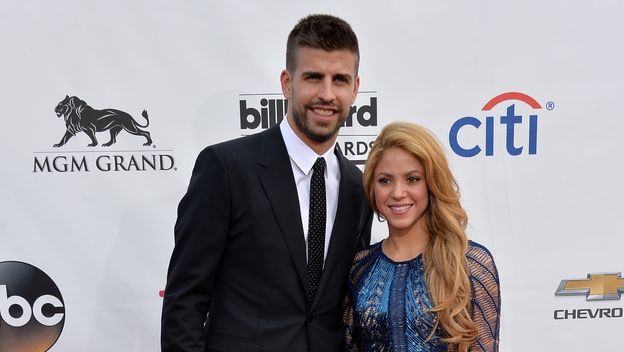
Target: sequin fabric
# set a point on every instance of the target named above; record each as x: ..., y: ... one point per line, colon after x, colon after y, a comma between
x: 386, y: 308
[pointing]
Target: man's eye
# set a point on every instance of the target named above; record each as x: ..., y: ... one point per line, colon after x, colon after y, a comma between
x: 312, y: 78
x: 342, y: 80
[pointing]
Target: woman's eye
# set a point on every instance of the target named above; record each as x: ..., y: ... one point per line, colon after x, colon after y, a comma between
x: 413, y: 179
x: 384, y: 180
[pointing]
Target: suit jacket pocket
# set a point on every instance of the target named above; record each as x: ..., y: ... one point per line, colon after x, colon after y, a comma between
x: 226, y: 343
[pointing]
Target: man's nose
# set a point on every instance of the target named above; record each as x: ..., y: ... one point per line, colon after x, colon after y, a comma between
x: 326, y: 91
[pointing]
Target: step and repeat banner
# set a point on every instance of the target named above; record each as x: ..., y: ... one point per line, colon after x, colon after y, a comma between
x: 525, y: 96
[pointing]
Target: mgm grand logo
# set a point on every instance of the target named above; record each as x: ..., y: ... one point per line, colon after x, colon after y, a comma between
x: 81, y: 117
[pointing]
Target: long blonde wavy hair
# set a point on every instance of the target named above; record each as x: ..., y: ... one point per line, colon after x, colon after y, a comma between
x: 445, y: 220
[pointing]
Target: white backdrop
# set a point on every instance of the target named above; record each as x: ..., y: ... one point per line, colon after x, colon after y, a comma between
x: 105, y: 237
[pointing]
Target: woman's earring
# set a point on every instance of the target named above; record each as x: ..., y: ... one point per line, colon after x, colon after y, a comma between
x: 380, y: 217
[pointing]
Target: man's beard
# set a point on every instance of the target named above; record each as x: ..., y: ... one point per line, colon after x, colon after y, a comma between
x: 304, y: 125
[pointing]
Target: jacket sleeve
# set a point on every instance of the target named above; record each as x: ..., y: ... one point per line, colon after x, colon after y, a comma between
x: 365, y: 235
x: 200, y: 235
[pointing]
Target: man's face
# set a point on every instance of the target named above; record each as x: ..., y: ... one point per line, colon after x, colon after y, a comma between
x: 320, y: 90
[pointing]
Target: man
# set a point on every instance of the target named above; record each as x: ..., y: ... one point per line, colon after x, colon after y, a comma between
x: 260, y: 262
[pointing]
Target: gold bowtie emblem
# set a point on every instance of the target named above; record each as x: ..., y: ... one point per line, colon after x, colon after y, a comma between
x: 597, y: 287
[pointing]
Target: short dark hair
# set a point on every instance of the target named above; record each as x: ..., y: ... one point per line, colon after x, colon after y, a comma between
x: 321, y: 32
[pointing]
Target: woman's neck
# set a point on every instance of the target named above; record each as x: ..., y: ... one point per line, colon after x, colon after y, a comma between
x: 402, y: 246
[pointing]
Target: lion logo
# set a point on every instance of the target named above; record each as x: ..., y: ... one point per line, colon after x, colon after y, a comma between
x: 79, y: 116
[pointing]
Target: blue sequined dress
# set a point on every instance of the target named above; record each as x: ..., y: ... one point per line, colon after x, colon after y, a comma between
x: 387, y: 304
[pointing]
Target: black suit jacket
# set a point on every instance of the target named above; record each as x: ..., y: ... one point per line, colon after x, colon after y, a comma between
x: 239, y: 263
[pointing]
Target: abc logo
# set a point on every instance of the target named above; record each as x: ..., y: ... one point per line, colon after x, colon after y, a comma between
x: 32, y: 311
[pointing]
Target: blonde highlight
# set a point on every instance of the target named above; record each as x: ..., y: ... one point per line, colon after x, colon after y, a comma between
x: 444, y: 257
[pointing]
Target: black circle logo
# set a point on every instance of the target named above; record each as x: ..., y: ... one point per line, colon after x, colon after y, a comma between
x: 32, y: 311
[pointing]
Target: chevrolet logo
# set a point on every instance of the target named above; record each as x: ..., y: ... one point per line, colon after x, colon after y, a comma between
x: 597, y: 287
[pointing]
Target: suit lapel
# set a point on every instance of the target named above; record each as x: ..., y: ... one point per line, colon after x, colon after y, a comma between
x: 342, y: 232
x: 276, y: 176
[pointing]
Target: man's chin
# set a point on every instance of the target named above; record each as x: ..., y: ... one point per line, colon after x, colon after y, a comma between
x: 321, y: 135
x: 318, y: 131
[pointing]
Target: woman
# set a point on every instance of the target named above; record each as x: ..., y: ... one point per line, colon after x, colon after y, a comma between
x: 425, y: 287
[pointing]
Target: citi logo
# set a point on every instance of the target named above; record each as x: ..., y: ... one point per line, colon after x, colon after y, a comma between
x: 32, y: 311
x: 518, y: 132
x: 262, y: 111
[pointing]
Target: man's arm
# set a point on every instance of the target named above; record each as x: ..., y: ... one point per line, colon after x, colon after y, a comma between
x: 200, y: 236
x: 365, y: 235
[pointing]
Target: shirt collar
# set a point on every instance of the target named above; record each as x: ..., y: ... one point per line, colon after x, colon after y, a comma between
x: 301, y: 154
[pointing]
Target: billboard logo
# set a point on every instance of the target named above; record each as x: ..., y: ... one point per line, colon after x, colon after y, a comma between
x: 80, y: 117
x: 513, y: 124
x: 32, y: 311
x: 270, y: 113
x: 597, y: 287
x: 259, y: 111
x: 262, y: 111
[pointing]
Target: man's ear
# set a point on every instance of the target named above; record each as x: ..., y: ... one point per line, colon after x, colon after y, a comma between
x: 356, y: 88
x: 286, y: 86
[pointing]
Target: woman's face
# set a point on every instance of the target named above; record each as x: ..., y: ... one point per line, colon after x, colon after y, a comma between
x: 401, y: 192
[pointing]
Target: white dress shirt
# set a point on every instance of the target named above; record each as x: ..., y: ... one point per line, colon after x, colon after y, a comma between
x: 302, y: 158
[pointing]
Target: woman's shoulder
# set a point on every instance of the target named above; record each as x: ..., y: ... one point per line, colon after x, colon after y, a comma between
x: 363, y: 259
x: 481, y: 261
x: 367, y: 252
x: 478, y: 252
